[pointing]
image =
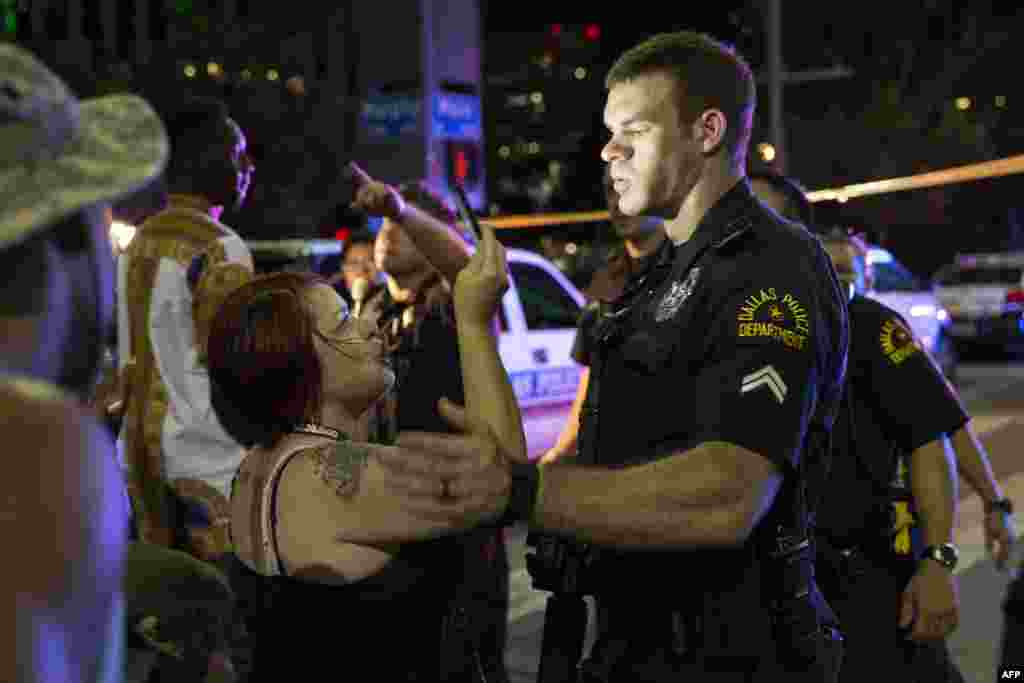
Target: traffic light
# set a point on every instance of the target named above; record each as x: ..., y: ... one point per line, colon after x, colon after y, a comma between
x: 463, y: 165
x: 592, y: 32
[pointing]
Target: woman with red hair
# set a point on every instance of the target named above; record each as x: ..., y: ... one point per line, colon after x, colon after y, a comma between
x: 292, y: 373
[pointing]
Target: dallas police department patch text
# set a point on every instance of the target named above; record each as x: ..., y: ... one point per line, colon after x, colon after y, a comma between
x: 782, y: 319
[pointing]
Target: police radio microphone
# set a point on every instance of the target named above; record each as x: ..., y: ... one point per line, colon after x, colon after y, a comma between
x: 360, y: 288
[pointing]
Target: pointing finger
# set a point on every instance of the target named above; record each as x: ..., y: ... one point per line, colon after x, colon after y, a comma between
x: 358, y: 174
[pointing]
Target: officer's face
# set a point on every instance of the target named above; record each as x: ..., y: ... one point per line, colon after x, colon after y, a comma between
x: 654, y: 159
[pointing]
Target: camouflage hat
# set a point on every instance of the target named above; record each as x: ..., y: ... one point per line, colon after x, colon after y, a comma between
x: 59, y: 154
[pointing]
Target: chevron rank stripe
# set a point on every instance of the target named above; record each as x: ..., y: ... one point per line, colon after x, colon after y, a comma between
x: 765, y: 377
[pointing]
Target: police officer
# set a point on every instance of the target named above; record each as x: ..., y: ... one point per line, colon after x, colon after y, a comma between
x: 886, y: 521
x: 719, y: 374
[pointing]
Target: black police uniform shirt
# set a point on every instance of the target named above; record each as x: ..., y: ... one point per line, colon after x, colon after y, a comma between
x: 582, y: 345
x: 738, y: 335
x: 897, y: 401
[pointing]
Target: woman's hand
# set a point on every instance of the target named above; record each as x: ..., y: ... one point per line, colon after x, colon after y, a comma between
x: 481, y: 284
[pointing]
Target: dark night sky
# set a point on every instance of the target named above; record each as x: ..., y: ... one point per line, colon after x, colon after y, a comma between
x: 933, y: 51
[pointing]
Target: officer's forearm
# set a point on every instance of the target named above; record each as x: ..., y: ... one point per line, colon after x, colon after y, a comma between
x: 712, y: 495
x: 933, y: 483
x: 973, y: 464
x: 436, y: 240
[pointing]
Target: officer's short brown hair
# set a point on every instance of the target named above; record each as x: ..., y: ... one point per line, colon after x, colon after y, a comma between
x: 709, y: 73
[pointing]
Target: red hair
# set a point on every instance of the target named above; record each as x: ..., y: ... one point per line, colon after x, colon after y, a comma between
x: 265, y: 375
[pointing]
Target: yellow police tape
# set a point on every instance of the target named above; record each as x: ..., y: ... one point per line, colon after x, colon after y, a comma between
x: 948, y: 176
x: 956, y: 174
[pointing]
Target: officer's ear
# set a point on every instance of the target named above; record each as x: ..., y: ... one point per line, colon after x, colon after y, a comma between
x: 710, y: 129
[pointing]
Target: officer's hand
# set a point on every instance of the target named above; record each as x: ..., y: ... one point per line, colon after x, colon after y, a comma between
x: 374, y: 198
x: 458, y: 478
x: 930, y: 602
x: 481, y: 284
x: 999, y: 536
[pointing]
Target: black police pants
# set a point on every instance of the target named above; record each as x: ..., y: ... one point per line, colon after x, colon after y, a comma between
x: 647, y: 658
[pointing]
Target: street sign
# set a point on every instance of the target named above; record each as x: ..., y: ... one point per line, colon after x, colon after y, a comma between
x: 391, y: 116
x: 457, y: 115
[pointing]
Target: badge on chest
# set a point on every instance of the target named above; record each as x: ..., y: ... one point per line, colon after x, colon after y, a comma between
x: 677, y: 294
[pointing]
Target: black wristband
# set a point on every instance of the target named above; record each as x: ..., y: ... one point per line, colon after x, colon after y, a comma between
x: 522, y: 495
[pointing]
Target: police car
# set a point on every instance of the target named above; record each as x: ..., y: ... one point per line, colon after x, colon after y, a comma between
x: 918, y: 303
x: 984, y: 294
x: 537, y: 319
x: 538, y: 326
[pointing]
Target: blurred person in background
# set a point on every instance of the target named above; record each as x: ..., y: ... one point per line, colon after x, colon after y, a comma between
x: 785, y: 196
x: 176, y: 271
x: 420, y: 254
x: 641, y: 240
x: 63, y: 513
x: 357, y: 263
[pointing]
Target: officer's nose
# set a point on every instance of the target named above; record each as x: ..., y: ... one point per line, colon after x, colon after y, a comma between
x: 614, y: 150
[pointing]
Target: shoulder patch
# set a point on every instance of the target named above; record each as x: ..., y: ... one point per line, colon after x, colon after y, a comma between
x: 774, y: 315
x: 897, y: 341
